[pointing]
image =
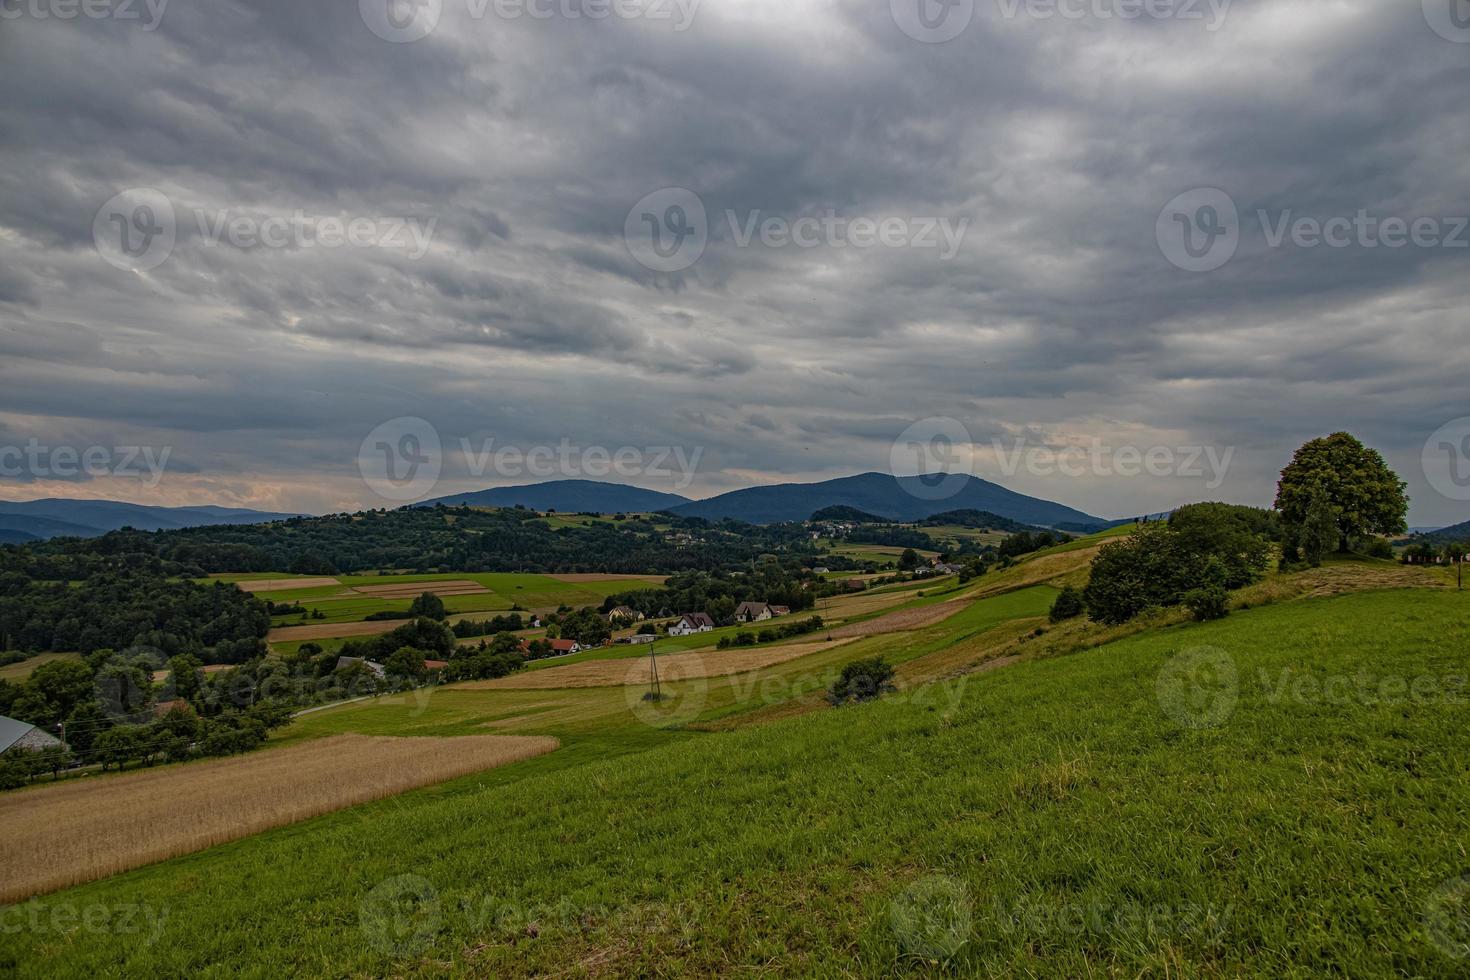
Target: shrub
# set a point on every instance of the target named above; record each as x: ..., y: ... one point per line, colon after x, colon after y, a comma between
x: 862, y: 680
x: 1068, y: 605
x: 1208, y: 602
x: 428, y: 605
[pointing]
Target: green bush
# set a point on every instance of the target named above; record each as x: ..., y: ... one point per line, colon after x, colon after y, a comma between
x: 1068, y: 605
x: 1208, y: 602
x: 862, y: 680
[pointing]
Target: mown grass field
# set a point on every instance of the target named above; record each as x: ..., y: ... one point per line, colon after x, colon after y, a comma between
x: 1283, y: 793
x: 19, y: 671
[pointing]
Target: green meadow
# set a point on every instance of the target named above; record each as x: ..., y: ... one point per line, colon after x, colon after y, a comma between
x: 1285, y: 792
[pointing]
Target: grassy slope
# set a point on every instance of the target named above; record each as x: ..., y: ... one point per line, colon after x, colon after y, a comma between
x: 1054, y: 802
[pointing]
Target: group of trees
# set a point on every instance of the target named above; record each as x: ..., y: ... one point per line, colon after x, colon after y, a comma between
x: 719, y: 593
x: 116, y: 610
x: 1336, y: 493
x: 771, y: 634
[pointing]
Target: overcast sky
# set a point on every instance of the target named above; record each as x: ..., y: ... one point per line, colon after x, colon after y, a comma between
x: 994, y: 249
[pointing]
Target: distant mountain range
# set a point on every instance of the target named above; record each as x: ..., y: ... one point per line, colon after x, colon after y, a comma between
x: 55, y: 517
x: 567, y: 496
x: 892, y: 498
x: 907, y: 498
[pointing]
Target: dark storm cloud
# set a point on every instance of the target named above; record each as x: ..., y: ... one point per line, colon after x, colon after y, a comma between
x: 526, y: 317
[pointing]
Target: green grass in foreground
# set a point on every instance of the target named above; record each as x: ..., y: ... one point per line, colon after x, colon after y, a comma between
x: 1062, y: 818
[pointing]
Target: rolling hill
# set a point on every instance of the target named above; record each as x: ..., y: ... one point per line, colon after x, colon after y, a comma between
x: 567, y: 496
x: 1457, y: 534
x: 908, y: 498
x: 56, y: 517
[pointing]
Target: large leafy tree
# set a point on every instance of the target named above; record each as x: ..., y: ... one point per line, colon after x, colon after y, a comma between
x: 1365, y: 496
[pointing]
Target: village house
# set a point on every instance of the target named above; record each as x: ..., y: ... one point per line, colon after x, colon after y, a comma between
x: 562, y: 648
x: 780, y: 610
x: 692, y: 623
x: 752, y: 612
x: 625, y: 614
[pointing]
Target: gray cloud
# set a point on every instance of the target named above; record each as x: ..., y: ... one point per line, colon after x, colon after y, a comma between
x: 527, y: 318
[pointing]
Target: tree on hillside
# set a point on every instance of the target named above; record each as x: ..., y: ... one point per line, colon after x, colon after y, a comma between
x: 908, y: 561
x: 1364, y: 495
x: 428, y: 604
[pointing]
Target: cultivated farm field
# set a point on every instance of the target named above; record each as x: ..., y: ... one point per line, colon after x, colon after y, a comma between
x: 114, y: 823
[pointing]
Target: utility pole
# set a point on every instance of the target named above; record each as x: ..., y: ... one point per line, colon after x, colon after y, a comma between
x: 653, y: 671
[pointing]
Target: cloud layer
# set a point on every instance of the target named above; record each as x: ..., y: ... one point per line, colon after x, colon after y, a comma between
x: 263, y: 354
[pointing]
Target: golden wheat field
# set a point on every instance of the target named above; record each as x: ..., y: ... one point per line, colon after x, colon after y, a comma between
x: 84, y: 829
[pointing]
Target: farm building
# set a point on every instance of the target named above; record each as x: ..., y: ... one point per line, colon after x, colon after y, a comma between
x: 692, y: 623
x: 563, y: 647
x: 22, y: 736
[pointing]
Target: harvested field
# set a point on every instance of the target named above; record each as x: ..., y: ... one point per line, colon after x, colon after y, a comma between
x: 114, y: 823
x: 412, y: 590
x: 326, y: 631
x: 609, y: 577
x: 634, y: 670
x: 902, y: 621
x: 254, y: 586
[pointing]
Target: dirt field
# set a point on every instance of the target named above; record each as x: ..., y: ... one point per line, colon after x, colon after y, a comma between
x: 412, y: 590
x: 634, y: 670
x: 88, y: 828
x: 574, y: 577
x: 284, y: 584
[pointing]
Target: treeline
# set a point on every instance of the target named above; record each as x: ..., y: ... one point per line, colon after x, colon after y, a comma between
x: 417, y: 539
